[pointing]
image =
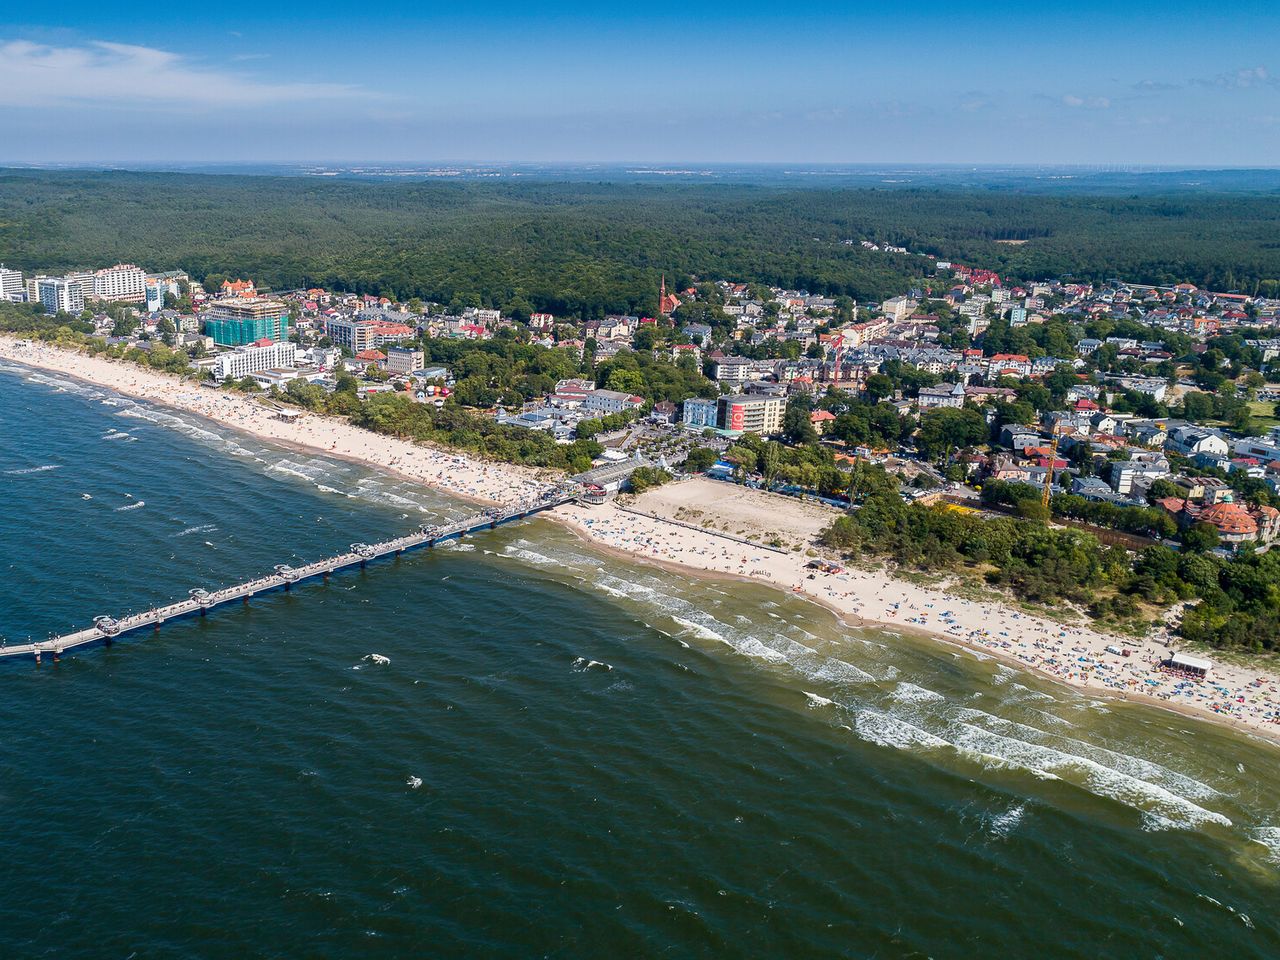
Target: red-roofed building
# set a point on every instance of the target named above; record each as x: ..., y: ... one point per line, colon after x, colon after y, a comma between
x: 822, y: 420
x: 1009, y: 364
x: 238, y: 288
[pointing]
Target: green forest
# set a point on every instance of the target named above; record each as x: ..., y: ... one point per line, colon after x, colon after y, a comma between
x: 587, y: 249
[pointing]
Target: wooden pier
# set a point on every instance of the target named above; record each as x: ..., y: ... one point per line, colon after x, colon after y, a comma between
x: 199, y: 602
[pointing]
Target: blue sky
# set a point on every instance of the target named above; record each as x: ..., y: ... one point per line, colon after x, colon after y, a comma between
x: 1174, y: 83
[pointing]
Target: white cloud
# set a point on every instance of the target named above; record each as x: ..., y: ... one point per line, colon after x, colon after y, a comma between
x: 1243, y: 79
x: 1087, y: 103
x: 36, y: 75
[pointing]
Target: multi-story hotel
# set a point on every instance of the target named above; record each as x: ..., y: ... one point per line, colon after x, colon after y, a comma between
x: 123, y: 282
x: 255, y: 358
x: 58, y: 294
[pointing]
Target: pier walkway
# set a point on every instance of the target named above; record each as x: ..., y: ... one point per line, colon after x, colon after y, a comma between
x: 200, y: 601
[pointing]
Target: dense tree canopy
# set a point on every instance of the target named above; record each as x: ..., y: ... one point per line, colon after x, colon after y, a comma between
x: 586, y: 249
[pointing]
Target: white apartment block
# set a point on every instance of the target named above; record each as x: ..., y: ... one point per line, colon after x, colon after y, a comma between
x: 57, y: 294
x: 733, y: 370
x: 404, y: 360
x: 11, y: 286
x: 243, y: 361
x: 610, y: 401
x: 124, y: 282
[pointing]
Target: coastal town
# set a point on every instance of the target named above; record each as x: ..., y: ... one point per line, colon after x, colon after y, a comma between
x: 1143, y: 416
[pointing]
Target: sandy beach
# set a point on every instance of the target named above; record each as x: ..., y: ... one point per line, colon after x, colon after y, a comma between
x: 1242, y: 697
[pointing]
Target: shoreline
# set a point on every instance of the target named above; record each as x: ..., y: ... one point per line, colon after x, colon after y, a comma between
x: 853, y: 597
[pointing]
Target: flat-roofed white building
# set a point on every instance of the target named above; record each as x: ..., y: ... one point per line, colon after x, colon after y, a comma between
x: 125, y: 282
x: 11, y: 286
x: 57, y: 294
x: 255, y: 358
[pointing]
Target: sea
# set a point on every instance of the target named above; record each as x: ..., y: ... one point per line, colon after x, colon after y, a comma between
x: 520, y: 747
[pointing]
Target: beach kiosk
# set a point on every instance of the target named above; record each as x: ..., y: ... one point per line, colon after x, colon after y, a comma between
x: 1192, y: 666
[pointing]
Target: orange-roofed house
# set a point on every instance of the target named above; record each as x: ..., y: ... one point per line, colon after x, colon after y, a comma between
x: 239, y: 288
x: 822, y: 420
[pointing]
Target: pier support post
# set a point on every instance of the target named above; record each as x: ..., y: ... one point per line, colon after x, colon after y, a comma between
x: 287, y: 585
x: 37, y: 658
x: 204, y: 611
x: 57, y: 655
x: 106, y: 640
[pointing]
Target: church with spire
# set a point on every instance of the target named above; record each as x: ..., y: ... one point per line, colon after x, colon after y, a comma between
x: 667, y: 302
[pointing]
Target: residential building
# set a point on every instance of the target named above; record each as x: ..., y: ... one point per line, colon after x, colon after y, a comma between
x: 898, y: 308
x: 57, y: 294
x: 124, y: 283
x: 1125, y: 472
x: 604, y: 402
x: 733, y: 369
x: 752, y: 414
x: 699, y: 413
x: 943, y: 395
x: 11, y: 286
x: 238, y: 288
x: 358, y: 335
x: 1008, y: 365
x: 404, y: 360
x: 155, y: 291
x: 1190, y: 441
x: 822, y: 421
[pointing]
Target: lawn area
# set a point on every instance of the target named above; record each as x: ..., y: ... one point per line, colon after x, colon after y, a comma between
x: 1264, y: 412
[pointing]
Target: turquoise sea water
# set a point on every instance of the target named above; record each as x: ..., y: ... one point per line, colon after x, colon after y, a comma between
x: 566, y: 755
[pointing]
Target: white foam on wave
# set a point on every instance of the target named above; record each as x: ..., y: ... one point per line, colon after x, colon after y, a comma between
x: 1125, y: 763
x: 376, y: 658
x: 834, y: 671
x: 324, y: 488
x: 1097, y: 778
x: 1003, y: 824
x: 414, y: 783
x: 29, y: 470
x: 65, y: 386
x: 291, y: 469
x: 532, y: 556
x: 1154, y: 823
x: 887, y: 730
x: 817, y: 701
x: 906, y: 692
x: 203, y: 528
x: 1269, y: 837
x: 131, y: 506
x: 582, y: 664
x: 698, y: 630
